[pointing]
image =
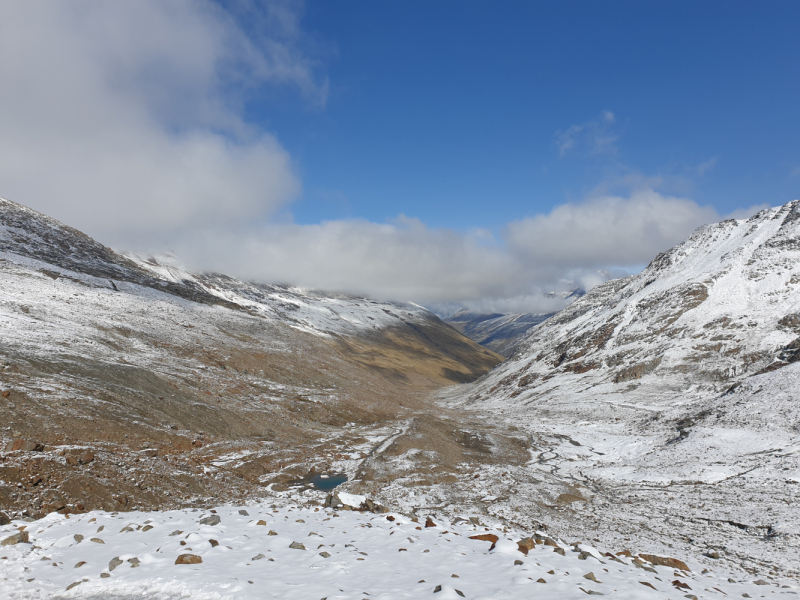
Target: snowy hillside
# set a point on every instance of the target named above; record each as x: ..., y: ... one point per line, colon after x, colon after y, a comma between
x: 668, y: 401
x: 500, y: 333
x: 290, y: 552
x: 721, y: 306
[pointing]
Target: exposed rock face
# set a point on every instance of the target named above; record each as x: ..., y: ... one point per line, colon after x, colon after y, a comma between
x: 721, y: 306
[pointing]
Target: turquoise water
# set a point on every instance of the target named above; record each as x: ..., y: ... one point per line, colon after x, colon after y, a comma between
x: 322, y: 482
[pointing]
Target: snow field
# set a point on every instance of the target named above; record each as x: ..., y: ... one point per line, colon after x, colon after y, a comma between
x: 369, y: 556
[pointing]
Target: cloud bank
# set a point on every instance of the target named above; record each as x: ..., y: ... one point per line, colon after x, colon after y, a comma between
x: 125, y: 119
x: 130, y: 113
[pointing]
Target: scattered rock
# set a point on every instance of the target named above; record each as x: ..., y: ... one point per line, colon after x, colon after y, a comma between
x: 648, y: 584
x: 135, y: 562
x: 590, y: 576
x: 429, y: 523
x: 17, y: 538
x: 176, y: 532
x: 6, y: 393
x: 214, y: 543
x: 4, y: 519
x: 681, y: 585
x: 72, y: 461
x: 114, y: 563
x: 147, y: 528
x: 211, y: 521
x: 24, y: 445
x: 86, y: 457
x: 486, y: 537
x: 80, y: 564
x: 559, y: 551
x: 258, y: 557
x: 272, y: 532
x: 663, y: 561
x: 324, y: 554
x: 761, y: 582
x: 525, y: 545
x: 518, y: 562
x: 713, y: 554
x: 244, y: 513
x: 261, y: 522
x: 74, y: 584
x: 97, y: 541
x: 188, y: 559
x: 297, y: 546
x: 105, y: 575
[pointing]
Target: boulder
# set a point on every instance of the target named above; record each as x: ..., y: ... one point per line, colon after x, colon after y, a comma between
x: 525, y: 545
x: 86, y: 457
x: 297, y: 546
x: 486, y: 537
x: 17, y: 538
x: 188, y: 559
x: 114, y: 563
x: 4, y: 519
x: 24, y: 445
x: 663, y: 561
x: 211, y: 521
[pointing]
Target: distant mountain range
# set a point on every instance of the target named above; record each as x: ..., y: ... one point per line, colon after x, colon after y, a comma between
x: 502, y: 332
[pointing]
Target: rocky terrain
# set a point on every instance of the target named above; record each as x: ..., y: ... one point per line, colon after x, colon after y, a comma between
x: 127, y: 383
x: 658, y: 414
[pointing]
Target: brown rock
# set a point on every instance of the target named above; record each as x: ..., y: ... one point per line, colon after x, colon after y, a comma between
x: 114, y: 563
x: 681, y: 585
x: 24, y: 445
x: 550, y: 542
x: 540, y: 580
x: 86, y: 457
x: 188, y: 559
x: 80, y: 564
x: 525, y: 545
x: 625, y: 553
x: 6, y: 394
x: 590, y: 576
x: 4, y: 519
x: 261, y: 522
x: 663, y: 561
x: 17, y: 538
x: 74, y: 584
x: 559, y: 551
x: 429, y: 523
x: 297, y: 546
x: 214, y: 543
x: 650, y: 585
x: 72, y: 461
x: 486, y: 537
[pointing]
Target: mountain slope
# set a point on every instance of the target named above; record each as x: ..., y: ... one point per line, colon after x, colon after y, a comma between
x: 500, y: 333
x: 234, y: 386
x: 715, y: 309
x: 663, y: 407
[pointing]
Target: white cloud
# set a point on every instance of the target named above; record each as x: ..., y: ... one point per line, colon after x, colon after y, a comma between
x: 596, y: 136
x: 608, y: 230
x: 118, y: 116
x: 569, y: 247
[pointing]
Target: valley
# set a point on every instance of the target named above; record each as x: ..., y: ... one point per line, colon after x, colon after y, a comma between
x: 657, y: 414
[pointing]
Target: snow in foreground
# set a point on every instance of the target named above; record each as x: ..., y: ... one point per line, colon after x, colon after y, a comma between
x: 249, y: 553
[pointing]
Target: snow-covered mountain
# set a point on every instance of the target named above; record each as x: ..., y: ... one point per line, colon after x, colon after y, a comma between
x: 498, y: 332
x: 122, y: 355
x: 721, y: 306
x: 668, y: 400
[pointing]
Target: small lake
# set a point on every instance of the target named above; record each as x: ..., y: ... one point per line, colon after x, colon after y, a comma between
x: 321, y: 481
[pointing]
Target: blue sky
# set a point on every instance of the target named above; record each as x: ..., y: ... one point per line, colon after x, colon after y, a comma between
x: 477, y: 154
x: 450, y: 111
